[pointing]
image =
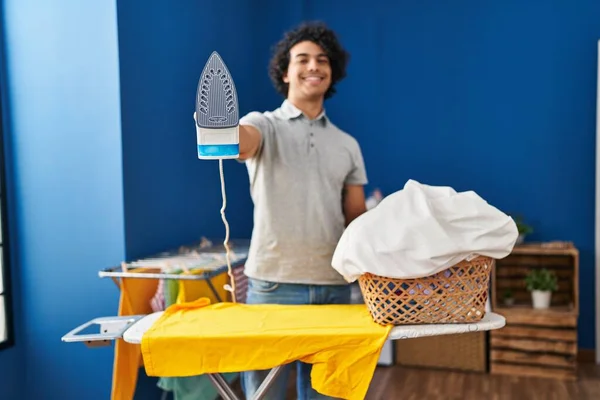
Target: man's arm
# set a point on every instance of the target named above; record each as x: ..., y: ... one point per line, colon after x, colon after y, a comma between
x: 249, y: 138
x: 249, y: 141
x: 353, y: 202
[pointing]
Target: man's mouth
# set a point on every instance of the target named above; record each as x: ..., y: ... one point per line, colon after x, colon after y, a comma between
x: 313, y: 79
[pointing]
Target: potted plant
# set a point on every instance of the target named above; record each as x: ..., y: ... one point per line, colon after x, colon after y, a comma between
x: 523, y: 228
x: 541, y: 283
x: 509, y: 299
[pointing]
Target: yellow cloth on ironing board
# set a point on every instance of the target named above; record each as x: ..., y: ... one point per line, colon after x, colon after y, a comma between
x: 190, y: 290
x: 341, y: 341
x: 134, y: 300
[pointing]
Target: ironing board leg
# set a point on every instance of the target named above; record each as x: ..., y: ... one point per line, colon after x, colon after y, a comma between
x: 266, y: 384
x: 222, y: 387
x: 225, y: 390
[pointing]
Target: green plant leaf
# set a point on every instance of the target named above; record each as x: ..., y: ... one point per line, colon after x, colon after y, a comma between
x: 522, y: 227
x: 541, y: 279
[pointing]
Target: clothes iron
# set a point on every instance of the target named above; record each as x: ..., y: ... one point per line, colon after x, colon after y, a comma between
x: 217, y: 130
x: 217, y: 116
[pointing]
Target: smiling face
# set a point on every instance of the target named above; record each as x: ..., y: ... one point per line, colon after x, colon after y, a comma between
x: 308, y: 73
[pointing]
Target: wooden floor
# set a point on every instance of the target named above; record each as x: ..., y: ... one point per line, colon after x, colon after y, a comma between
x: 427, y: 384
x: 402, y: 383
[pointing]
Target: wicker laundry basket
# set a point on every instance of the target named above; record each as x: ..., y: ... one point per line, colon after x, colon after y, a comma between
x: 455, y: 295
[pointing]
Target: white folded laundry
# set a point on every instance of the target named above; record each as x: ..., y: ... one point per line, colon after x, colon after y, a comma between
x: 421, y: 230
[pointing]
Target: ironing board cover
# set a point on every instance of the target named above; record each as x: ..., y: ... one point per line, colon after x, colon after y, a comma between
x: 341, y: 341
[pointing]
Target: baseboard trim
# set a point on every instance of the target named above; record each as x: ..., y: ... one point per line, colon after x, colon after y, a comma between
x: 586, y: 355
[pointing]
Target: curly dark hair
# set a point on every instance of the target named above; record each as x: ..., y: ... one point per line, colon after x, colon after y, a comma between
x: 318, y: 33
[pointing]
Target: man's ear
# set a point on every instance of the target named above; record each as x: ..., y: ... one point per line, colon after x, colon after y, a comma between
x: 285, y: 78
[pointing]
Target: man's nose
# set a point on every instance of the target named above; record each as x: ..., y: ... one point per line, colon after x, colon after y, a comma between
x: 313, y: 65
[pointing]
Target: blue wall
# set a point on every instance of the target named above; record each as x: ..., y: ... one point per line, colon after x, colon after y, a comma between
x: 171, y: 197
x: 12, y: 369
x: 65, y: 136
x: 497, y: 98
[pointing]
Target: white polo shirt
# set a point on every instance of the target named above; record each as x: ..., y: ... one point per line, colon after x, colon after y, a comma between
x: 296, y: 183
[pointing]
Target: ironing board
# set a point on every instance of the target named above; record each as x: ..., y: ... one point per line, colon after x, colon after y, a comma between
x: 132, y: 329
x: 489, y: 322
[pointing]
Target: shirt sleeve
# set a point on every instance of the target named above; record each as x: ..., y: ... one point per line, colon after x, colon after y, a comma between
x: 358, y: 172
x: 261, y: 122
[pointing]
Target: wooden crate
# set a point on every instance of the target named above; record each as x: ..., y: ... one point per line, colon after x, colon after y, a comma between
x: 540, y: 343
x: 466, y: 352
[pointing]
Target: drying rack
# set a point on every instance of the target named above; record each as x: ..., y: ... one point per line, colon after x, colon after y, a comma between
x: 198, y: 261
x: 208, y: 256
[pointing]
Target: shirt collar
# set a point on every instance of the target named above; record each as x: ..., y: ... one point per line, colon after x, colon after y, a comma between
x: 290, y: 111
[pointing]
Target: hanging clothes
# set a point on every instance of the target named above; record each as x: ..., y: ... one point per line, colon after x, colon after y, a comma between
x: 241, y: 284
x: 341, y: 341
x: 157, y: 302
x: 190, y: 290
x: 134, y: 299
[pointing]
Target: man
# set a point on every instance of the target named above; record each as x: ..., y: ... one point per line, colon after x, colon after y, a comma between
x: 307, y: 179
